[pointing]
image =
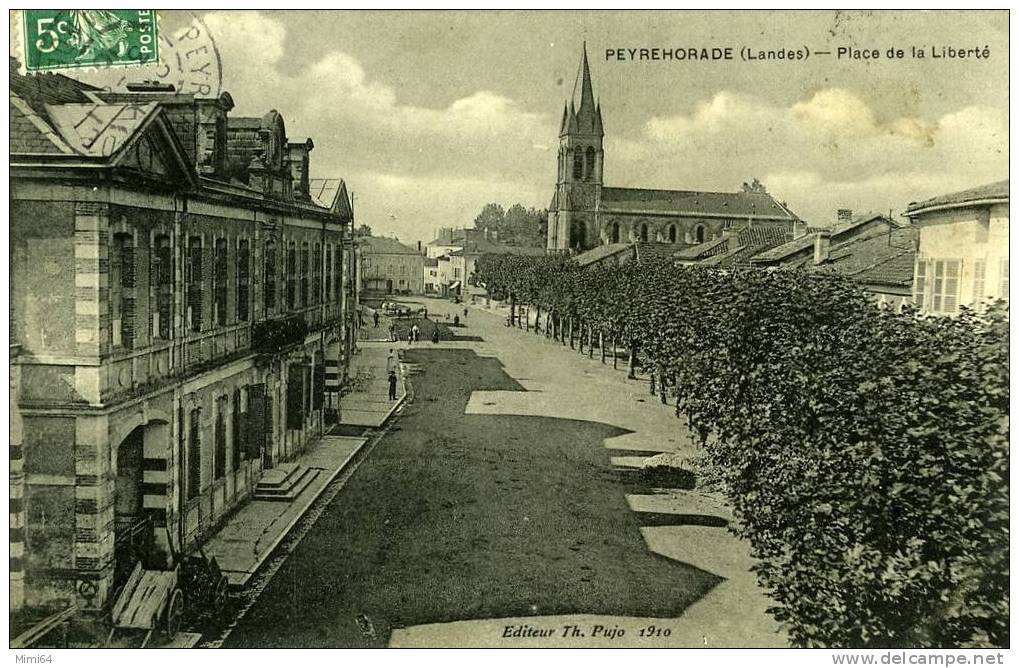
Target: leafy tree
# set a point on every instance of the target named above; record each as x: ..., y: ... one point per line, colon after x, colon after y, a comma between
x: 754, y: 186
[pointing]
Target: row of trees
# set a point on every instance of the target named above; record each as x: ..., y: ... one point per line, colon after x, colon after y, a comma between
x: 864, y: 451
x: 516, y: 226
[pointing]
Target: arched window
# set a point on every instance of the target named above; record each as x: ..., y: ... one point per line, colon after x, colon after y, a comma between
x: 672, y: 234
x: 590, y: 163
x: 578, y: 164
x: 698, y: 234
x: 643, y: 231
x: 615, y: 233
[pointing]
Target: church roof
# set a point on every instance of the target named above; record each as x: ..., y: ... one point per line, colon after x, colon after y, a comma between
x: 759, y: 206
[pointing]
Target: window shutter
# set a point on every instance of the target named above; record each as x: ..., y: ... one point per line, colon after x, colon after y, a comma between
x: 127, y: 282
x: 920, y: 284
x: 1003, y: 278
x: 295, y: 398
x: 256, y: 421
x: 320, y: 386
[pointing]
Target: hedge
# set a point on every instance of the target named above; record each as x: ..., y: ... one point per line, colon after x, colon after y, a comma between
x: 864, y: 451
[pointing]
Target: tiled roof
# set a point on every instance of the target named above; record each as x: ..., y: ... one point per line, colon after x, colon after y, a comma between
x: 38, y: 90
x: 386, y: 246
x: 884, y: 258
x: 30, y: 134
x: 599, y: 253
x: 117, y: 121
x: 997, y: 190
x: 806, y: 241
x: 737, y: 246
x: 694, y: 203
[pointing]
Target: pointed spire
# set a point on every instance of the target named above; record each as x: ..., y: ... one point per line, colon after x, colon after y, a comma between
x: 597, y: 120
x: 586, y: 89
x: 566, y: 116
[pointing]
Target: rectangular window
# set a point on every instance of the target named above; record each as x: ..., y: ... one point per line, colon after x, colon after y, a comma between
x: 338, y: 274
x: 219, y: 458
x: 238, y: 431
x: 219, y: 279
x: 162, y: 285
x: 194, y: 483
x: 979, y: 277
x: 292, y: 276
x: 122, y: 282
x: 1003, y: 278
x: 270, y: 277
x: 194, y: 282
x: 316, y: 275
x: 243, y: 279
x: 945, y: 286
x: 304, y: 274
x: 329, y: 273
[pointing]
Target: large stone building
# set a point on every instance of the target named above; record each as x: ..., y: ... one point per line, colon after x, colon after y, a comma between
x: 585, y: 213
x: 390, y: 267
x: 176, y: 296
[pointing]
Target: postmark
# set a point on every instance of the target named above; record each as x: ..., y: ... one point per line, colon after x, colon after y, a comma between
x: 76, y: 38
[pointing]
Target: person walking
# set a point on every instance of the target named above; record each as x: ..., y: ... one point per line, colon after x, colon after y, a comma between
x: 392, y: 332
x: 416, y: 331
x: 410, y: 336
x: 392, y: 386
x: 435, y: 334
x: 375, y: 315
x: 391, y: 362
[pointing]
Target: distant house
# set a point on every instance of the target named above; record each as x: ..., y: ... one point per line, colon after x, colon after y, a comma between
x: 430, y: 278
x: 962, y: 257
x: 618, y: 254
x: 456, y: 252
x: 815, y: 245
x: 391, y: 267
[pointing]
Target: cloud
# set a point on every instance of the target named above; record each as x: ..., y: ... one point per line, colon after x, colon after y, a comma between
x: 829, y: 150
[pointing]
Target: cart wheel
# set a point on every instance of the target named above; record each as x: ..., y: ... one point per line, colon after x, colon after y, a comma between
x: 174, y: 613
x: 219, y: 595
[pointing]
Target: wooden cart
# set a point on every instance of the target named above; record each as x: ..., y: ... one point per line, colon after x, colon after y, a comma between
x: 150, y: 600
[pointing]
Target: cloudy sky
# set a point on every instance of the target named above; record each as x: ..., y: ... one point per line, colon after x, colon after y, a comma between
x: 429, y: 115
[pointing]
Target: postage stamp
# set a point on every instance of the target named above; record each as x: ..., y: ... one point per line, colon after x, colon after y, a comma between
x: 74, y: 38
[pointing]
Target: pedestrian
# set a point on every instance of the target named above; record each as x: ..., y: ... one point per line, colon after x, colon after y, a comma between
x: 435, y: 334
x: 360, y: 315
x: 465, y: 314
x: 391, y: 362
x: 416, y: 332
x: 410, y: 336
x: 456, y: 321
x: 424, y: 313
x: 375, y: 315
x: 392, y: 332
x: 392, y: 386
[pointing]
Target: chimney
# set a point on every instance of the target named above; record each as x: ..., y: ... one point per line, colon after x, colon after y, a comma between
x: 150, y: 86
x: 822, y: 246
x: 844, y: 216
x: 799, y: 229
x: 300, y: 162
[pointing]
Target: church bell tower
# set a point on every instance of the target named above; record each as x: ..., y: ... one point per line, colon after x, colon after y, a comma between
x: 572, y: 217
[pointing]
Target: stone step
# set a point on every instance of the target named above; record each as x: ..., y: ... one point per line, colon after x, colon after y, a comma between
x: 282, y: 476
x: 289, y: 492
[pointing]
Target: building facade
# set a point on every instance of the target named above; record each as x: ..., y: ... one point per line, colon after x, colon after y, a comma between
x: 584, y: 213
x: 174, y: 303
x: 962, y: 255
x: 390, y: 267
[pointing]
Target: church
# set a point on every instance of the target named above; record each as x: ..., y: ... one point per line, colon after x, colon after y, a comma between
x: 586, y: 214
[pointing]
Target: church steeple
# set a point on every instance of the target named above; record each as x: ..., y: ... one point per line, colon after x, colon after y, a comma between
x: 586, y: 89
x: 588, y: 112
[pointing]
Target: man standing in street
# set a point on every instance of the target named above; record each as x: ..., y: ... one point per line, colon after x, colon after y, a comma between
x: 392, y: 386
x: 375, y: 315
x: 416, y: 332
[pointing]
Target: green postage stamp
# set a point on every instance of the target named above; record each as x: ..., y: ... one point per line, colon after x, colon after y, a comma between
x: 64, y: 38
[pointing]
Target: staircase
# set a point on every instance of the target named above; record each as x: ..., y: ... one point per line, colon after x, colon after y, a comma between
x: 284, y: 483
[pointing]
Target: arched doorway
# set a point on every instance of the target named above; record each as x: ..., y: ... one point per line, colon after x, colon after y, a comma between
x: 672, y: 234
x: 135, y: 503
x: 578, y: 233
x: 615, y: 233
x: 643, y: 231
x: 698, y: 234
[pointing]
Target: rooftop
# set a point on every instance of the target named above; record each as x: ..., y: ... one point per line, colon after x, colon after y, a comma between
x: 992, y: 191
x: 387, y: 246
x: 694, y: 202
x: 807, y: 241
